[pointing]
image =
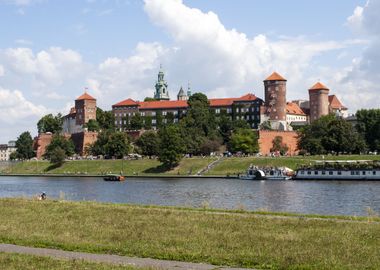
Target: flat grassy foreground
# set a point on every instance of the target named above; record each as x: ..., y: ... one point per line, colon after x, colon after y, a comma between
x: 241, y: 239
x: 9, y: 261
x: 236, y: 165
x: 187, y: 166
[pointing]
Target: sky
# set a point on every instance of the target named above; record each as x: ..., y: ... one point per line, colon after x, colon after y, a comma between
x: 51, y: 50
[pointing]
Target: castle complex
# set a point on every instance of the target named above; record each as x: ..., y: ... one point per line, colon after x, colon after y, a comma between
x: 279, y: 115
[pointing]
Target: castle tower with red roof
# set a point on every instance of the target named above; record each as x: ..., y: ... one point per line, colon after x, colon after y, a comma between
x: 319, y: 101
x: 85, y: 108
x: 275, y: 100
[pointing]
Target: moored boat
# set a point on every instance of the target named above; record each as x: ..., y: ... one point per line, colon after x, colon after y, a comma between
x: 277, y: 174
x: 113, y: 177
x: 365, y: 170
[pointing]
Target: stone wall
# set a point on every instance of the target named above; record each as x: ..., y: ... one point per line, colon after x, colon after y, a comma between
x: 82, y: 140
x: 41, y: 142
x: 266, y: 138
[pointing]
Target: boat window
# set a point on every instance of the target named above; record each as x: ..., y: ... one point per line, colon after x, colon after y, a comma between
x: 363, y: 172
x: 302, y: 172
x: 357, y: 173
x: 271, y: 172
x: 339, y: 173
x: 315, y: 172
x: 323, y: 172
x: 374, y: 172
x: 352, y: 173
x: 330, y: 173
x: 309, y: 172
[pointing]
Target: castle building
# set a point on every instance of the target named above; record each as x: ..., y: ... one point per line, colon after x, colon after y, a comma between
x: 319, y: 101
x: 181, y: 95
x: 84, y: 111
x: 246, y: 107
x: 275, y: 101
x: 161, y: 86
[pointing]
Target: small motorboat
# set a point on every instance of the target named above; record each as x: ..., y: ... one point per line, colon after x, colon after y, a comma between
x: 114, y: 177
x: 255, y: 173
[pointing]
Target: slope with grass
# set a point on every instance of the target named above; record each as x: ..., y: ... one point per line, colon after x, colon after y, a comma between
x: 241, y: 239
x: 99, y: 167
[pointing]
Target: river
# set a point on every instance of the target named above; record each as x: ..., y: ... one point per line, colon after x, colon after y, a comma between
x: 307, y: 197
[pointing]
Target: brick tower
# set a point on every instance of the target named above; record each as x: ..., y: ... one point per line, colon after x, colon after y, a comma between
x: 275, y: 100
x: 85, y: 107
x: 319, y: 101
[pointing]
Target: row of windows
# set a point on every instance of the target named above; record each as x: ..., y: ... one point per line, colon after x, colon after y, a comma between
x: 340, y: 173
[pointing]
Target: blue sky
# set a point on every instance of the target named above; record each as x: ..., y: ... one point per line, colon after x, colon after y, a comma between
x: 50, y: 50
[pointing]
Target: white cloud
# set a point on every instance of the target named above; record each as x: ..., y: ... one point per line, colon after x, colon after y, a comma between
x: 225, y: 62
x: 116, y: 78
x: 14, y: 106
x: 2, y: 71
x: 21, y: 2
x: 360, y: 79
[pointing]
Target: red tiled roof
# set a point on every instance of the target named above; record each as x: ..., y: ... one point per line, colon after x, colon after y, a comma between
x: 85, y: 96
x: 275, y: 77
x: 293, y: 108
x: 319, y: 86
x: 219, y: 102
x: 127, y: 102
x: 172, y: 104
x: 163, y: 104
x: 335, y: 103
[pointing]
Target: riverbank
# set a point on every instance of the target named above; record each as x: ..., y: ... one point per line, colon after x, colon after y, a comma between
x: 234, y: 238
x: 231, y: 166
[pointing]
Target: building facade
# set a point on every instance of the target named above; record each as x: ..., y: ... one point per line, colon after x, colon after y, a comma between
x: 6, y: 150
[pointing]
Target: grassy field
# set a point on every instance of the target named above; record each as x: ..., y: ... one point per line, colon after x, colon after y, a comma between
x: 99, y: 167
x: 188, y: 166
x: 240, y: 239
x: 236, y: 165
x: 9, y: 261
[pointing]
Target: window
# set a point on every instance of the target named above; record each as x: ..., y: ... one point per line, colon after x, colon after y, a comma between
x: 363, y: 172
x: 164, y: 113
x: 217, y: 111
x: 302, y: 172
x: 153, y: 121
x: 237, y: 110
x: 309, y: 172
x: 229, y: 110
x: 374, y: 172
x: 142, y: 113
x: 330, y: 173
x: 339, y: 173
x: 323, y: 172
x: 153, y: 113
x: 316, y: 172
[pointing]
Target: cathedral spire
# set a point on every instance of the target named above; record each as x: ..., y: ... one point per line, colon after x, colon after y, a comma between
x: 161, y: 87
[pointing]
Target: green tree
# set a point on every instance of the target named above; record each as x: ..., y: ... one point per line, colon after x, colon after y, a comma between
x: 279, y: 145
x: 111, y: 144
x: 137, y: 122
x: 148, y: 122
x: 24, y: 145
x: 92, y: 125
x: 244, y: 140
x: 50, y: 123
x: 106, y: 119
x: 149, y: 143
x: 148, y: 99
x: 171, y: 146
x: 266, y: 125
x: 59, y: 141
x: 330, y: 134
x: 118, y: 145
x: 209, y: 146
x: 368, y: 125
x: 169, y: 118
x: 58, y: 156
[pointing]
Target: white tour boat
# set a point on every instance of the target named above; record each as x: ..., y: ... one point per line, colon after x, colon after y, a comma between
x: 340, y: 170
x: 255, y: 173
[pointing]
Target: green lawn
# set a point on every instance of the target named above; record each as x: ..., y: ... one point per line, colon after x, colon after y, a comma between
x: 241, y: 239
x: 10, y: 261
x: 100, y: 167
x: 236, y: 165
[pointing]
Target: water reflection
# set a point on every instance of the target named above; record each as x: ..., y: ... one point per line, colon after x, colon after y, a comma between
x: 325, y: 197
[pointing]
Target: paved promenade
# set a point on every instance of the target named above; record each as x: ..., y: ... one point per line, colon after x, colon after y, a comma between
x: 111, y: 259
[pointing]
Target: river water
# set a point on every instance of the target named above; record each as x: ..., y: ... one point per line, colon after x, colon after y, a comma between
x: 308, y: 197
